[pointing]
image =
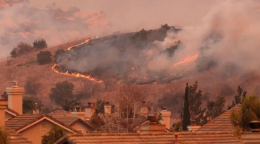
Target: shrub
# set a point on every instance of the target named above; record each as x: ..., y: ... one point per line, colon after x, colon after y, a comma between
x: 39, y: 44
x: 44, y: 57
x: 4, y: 136
x: 177, y: 127
x: 20, y: 49
x: 53, y: 135
x: 57, y: 53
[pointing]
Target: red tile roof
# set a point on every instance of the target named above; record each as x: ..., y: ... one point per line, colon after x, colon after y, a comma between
x: 222, y: 122
x: 20, y: 122
x: 12, y: 112
x: 155, y: 138
x: 16, y: 138
x: 72, y: 120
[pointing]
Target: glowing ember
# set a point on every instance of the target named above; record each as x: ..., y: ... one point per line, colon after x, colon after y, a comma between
x: 54, y: 68
x: 186, y: 60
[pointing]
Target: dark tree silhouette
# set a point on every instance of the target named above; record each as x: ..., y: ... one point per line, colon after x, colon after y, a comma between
x: 186, y: 110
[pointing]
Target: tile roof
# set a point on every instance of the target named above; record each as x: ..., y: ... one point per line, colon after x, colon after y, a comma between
x: 222, y: 122
x: 60, y: 113
x: 12, y: 112
x: 20, y: 122
x: 155, y: 138
x: 16, y: 138
x: 71, y: 120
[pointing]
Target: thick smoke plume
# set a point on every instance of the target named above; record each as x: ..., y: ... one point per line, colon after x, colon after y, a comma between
x: 226, y: 43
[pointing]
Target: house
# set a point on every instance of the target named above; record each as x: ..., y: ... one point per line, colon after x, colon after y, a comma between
x: 151, y: 138
x: 76, y: 123
x: 34, y: 126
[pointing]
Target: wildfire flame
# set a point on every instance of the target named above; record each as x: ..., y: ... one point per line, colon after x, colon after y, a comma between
x: 54, y: 68
x: 186, y: 60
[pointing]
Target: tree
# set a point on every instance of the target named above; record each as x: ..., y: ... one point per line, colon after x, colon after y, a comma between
x: 28, y: 105
x: 4, y: 96
x: 44, y: 57
x: 53, y: 135
x: 165, y: 27
x: 250, y: 110
x: 240, y: 95
x: 39, y: 44
x: 195, y: 102
x: 31, y: 86
x: 186, y: 110
x: 57, y: 54
x: 215, y: 108
x: 68, y: 104
x: 96, y: 121
x: 100, y: 106
x: 4, y: 136
x: 61, y: 92
x: 14, y: 53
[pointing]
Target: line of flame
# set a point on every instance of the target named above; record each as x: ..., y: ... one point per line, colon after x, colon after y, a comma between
x: 77, y: 74
x: 186, y: 60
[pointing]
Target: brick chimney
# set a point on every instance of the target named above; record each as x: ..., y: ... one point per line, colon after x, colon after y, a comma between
x: 88, y: 113
x: 144, y: 109
x: 15, y: 97
x: 77, y: 112
x: 3, y: 106
x: 166, y: 118
x: 152, y: 126
x: 107, y: 108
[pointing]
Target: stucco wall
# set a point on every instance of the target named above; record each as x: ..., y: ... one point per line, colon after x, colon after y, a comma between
x: 7, y: 116
x: 79, y: 126
x: 36, y: 132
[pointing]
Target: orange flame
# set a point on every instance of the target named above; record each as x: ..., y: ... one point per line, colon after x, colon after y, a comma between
x: 186, y: 60
x: 77, y: 74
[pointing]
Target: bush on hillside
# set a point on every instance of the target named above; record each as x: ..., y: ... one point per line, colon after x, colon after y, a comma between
x: 39, y: 44
x: 44, y: 57
x: 20, y: 49
x: 57, y: 54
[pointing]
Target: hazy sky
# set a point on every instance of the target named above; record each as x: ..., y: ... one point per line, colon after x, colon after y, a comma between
x: 139, y: 12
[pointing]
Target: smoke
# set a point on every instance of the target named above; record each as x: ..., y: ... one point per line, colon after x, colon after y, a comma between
x: 20, y: 22
x: 226, y: 42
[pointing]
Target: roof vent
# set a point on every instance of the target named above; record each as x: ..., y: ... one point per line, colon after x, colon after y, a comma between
x: 255, y: 126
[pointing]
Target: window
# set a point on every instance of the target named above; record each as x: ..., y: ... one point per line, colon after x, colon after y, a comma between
x: 79, y: 130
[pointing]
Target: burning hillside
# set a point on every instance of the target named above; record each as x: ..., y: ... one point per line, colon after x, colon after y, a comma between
x: 124, y: 57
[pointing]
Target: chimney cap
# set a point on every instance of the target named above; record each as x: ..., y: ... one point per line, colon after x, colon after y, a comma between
x: 89, y: 103
x: 14, y: 84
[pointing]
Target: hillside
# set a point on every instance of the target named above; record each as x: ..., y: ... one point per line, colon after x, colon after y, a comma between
x: 26, y: 66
